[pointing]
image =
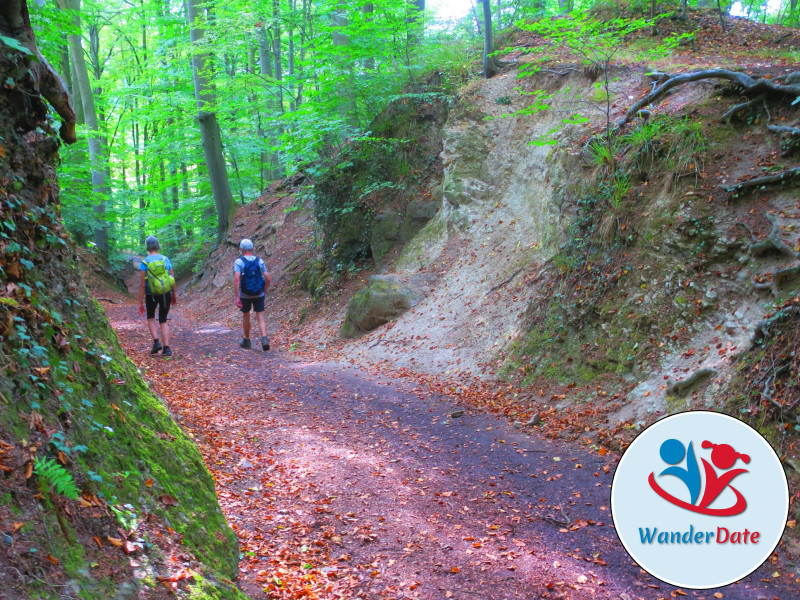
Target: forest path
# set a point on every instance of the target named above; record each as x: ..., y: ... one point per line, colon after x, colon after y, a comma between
x: 347, y: 484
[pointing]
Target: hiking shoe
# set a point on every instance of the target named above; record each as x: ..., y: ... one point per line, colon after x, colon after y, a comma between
x: 167, y: 351
x: 156, y: 347
x: 245, y: 343
x: 265, y: 343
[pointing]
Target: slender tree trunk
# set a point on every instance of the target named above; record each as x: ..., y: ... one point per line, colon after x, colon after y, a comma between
x: 269, y: 161
x: 347, y: 107
x: 205, y: 94
x: 97, y: 140
x: 477, y: 18
x: 276, y: 51
x: 490, y: 67
x: 721, y: 16
x: 290, y: 56
x: 189, y: 221
x: 369, y: 10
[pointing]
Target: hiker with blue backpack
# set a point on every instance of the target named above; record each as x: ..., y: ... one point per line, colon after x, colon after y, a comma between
x: 251, y: 280
x: 157, y: 289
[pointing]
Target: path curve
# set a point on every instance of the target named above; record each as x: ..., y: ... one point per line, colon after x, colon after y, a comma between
x: 343, y: 483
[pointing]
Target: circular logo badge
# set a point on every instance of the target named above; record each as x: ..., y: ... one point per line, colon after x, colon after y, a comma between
x: 699, y: 500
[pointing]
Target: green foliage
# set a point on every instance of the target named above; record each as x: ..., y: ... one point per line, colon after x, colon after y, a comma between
x: 595, y: 41
x: 55, y: 478
x: 602, y: 151
x: 14, y: 44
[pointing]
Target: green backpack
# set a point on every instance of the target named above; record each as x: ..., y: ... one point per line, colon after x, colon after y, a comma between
x: 158, y: 277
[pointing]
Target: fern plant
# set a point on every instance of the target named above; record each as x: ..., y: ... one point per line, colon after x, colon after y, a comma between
x: 55, y: 478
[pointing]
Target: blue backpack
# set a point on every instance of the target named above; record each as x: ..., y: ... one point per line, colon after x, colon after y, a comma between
x: 252, y: 281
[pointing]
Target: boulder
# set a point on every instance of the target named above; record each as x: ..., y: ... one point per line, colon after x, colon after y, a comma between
x: 383, y: 299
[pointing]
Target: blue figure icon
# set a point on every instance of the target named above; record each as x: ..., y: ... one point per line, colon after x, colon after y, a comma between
x: 672, y: 452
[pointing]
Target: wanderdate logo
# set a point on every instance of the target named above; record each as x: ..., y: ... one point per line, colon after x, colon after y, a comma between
x: 699, y: 500
x: 723, y: 457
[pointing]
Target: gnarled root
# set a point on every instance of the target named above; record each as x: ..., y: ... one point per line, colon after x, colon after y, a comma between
x: 680, y: 388
x: 762, y: 328
x: 780, y: 178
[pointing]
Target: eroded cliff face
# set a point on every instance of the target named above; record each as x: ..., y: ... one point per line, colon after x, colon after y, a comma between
x: 477, y: 263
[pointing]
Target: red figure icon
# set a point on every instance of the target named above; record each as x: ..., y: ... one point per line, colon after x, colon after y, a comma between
x: 724, y: 457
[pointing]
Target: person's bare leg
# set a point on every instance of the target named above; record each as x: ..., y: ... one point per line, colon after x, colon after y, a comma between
x: 246, y: 324
x: 153, y: 327
x: 165, y: 334
x: 262, y: 324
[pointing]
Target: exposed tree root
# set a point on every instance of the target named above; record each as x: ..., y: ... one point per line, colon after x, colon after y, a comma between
x: 772, y: 281
x: 771, y: 242
x: 763, y: 181
x: 757, y: 100
x: 750, y: 85
x: 48, y: 82
x: 679, y: 388
x: 762, y: 328
x: 792, y: 131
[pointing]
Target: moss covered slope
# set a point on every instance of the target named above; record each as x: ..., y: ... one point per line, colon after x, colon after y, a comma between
x: 101, y: 494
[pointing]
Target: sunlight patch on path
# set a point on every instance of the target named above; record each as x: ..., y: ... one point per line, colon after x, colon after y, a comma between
x: 213, y: 328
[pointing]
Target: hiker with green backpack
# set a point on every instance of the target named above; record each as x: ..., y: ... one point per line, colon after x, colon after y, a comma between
x: 157, y: 289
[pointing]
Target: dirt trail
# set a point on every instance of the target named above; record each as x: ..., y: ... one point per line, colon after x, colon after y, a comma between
x: 347, y: 484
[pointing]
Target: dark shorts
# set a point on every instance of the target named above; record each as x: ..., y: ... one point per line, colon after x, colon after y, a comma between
x: 162, y: 301
x: 257, y: 304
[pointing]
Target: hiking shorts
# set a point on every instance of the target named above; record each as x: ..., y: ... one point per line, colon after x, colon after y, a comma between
x: 162, y: 301
x: 257, y: 304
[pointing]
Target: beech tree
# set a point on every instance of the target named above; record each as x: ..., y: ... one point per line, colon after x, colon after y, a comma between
x: 98, y: 143
x: 205, y: 93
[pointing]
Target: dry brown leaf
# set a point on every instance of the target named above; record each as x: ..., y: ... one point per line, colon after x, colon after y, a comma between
x: 168, y: 500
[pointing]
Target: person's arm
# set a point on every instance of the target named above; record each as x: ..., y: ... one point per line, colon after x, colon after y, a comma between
x: 236, y: 277
x: 267, y: 279
x: 175, y: 289
x: 141, y: 291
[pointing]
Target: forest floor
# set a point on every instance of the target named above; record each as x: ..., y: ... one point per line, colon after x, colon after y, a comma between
x: 346, y: 483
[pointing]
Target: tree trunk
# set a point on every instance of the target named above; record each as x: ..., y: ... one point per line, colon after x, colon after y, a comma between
x: 490, y: 67
x: 205, y: 94
x: 97, y: 139
x: 416, y: 26
x: 369, y: 10
x: 721, y: 16
x: 276, y: 51
x: 270, y: 167
x: 347, y: 108
x: 477, y: 18
x: 290, y: 56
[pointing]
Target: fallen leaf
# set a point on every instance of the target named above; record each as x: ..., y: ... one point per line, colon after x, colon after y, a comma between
x: 149, y: 483
x: 115, y: 541
x: 168, y: 500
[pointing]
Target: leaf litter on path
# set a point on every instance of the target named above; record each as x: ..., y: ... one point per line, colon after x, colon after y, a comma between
x: 346, y: 483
